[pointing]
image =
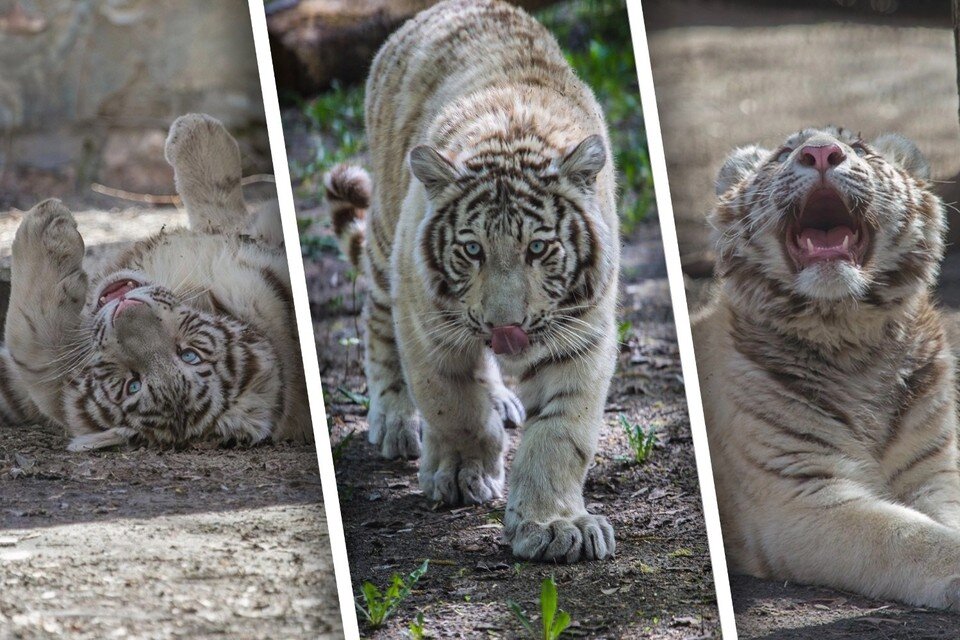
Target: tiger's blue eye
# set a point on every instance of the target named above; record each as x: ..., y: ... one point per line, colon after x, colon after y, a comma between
x: 133, y: 386
x: 784, y: 155
x: 190, y: 356
x: 473, y: 249
x: 537, y: 247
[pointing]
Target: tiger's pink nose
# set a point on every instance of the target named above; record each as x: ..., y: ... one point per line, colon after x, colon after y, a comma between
x: 822, y: 158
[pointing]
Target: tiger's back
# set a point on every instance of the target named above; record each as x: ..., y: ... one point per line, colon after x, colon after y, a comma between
x: 448, y: 76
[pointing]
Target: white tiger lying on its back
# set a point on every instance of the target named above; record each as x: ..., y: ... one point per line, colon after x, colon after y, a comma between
x: 188, y: 335
x: 491, y: 245
x: 827, y: 380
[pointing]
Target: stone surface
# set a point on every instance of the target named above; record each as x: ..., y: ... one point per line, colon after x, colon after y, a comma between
x: 87, y: 77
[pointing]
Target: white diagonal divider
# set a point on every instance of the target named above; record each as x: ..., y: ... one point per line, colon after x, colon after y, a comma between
x: 658, y: 162
x: 291, y: 237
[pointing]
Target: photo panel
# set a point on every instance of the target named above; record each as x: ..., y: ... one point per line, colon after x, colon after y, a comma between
x: 158, y: 476
x: 493, y: 321
x: 812, y: 155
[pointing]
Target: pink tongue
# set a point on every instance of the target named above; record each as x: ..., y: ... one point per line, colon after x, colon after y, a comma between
x: 825, y: 239
x: 510, y: 339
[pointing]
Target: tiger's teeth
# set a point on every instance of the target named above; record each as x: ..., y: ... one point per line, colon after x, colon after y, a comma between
x: 131, y: 284
x: 846, y: 242
x: 103, y: 298
x: 809, y: 245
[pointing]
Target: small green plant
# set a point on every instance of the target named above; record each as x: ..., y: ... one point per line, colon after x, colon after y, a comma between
x: 339, y: 448
x: 354, y: 397
x: 417, y: 632
x: 555, y: 621
x: 641, y: 440
x: 623, y: 331
x: 378, y: 605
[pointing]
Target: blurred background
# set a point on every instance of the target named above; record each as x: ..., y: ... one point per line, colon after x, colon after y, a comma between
x: 89, y: 88
x: 729, y: 73
x: 88, y: 91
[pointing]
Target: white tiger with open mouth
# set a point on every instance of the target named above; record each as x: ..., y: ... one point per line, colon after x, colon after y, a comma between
x: 188, y: 335
x: 826, y: 374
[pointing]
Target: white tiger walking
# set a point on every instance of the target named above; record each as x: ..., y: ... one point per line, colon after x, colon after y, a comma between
x: 491, y: 244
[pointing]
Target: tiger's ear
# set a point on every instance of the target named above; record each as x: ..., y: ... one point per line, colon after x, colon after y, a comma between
x: 741, y: 162
x: 431, y: 168
x: 582, y: 164
x: 903, y: 153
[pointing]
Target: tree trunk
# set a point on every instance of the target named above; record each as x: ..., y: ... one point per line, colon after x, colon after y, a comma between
x: 317, y: 41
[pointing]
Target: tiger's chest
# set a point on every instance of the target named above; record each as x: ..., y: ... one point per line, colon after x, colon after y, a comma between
x: 236, y: 278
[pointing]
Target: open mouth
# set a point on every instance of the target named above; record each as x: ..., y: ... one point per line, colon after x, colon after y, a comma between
x: 116, y: 290
x: 826, y: 230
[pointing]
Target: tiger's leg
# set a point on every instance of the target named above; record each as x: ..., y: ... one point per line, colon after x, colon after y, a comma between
x: 463, y: 436
x: 395, y: 424
x: 506, y: 403
x: 839, y: 535
x: 926, y: 474
x: 48, y: 290
x: 206, y: 164
x: 15, y: 404
x: 565, y: 395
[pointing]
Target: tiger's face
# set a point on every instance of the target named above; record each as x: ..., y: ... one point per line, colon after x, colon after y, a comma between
x: 512, y: 246
x: 169, y: 372
x: 829, y: 217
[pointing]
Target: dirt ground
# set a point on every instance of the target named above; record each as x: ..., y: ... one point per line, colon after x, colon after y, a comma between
x: 200, y: 543
x: 727, y: 75
x: 659, y: 585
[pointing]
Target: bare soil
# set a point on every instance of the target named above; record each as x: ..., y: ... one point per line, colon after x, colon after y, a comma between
x: 659, y: 585
x: 200, y: 543
x: 728, y: 75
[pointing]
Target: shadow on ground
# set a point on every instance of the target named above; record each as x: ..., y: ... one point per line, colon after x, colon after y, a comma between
x: 147, y: 543
x: 659, y: 585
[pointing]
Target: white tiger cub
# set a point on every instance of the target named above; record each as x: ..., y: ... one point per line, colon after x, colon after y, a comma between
x: 501, y: 254
x: 189, y: 334
x: 826, y: 374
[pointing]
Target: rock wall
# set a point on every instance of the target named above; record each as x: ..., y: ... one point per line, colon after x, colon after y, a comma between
x: 89, y: 87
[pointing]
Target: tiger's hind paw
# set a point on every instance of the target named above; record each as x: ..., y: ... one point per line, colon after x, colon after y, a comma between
x: 395, y: 430
x: 206, y: 164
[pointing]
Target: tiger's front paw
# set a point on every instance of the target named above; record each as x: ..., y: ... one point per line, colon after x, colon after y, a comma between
x: 395, y: 430
x: 48, y: 234
x: 48, y: 256
x: 562, y: 539
x: 462, y: 475
x: 508, y: 406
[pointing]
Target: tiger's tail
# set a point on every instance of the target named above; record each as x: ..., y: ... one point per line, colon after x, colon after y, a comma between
x: 349, y: 189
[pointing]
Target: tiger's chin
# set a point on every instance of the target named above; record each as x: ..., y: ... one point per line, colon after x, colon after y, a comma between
x: 833, y: 280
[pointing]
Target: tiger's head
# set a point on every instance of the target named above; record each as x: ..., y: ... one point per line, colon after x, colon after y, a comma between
x: 513, y: 244
x: 827, y: 221
x: 167, y: 372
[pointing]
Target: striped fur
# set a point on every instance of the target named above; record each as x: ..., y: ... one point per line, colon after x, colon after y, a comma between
x: 482, y: 136
x: 348, y: 191
x: 829, y: 390
x: 201, y: 344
